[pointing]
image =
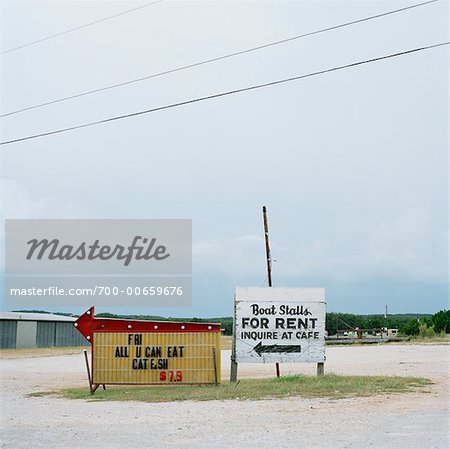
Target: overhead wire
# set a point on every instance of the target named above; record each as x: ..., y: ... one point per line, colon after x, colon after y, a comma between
x: 215, y: 59
x: 223, y: 94
x: 37, y: 41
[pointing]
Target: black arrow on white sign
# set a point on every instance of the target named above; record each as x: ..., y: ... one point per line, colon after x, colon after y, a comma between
x: 260, y: 348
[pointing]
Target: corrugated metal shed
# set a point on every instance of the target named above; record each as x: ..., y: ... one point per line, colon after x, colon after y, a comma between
x: 8, y: 333
x: 41, y: 330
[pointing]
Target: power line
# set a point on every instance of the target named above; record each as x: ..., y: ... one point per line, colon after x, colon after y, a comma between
x: 223, y: 94
x: 219, y: 58
x: 78, y: 27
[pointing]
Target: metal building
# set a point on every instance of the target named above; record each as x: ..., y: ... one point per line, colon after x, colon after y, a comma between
x: 38, y: 330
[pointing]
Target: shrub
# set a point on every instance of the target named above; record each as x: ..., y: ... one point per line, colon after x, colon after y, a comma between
x: 441, y: 321
x: 411, y: 327
x: 425, y: 331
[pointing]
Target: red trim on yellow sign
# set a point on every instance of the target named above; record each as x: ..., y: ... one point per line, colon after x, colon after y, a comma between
x: 87, y: 324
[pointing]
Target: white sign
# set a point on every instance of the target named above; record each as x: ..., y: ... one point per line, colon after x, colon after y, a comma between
x: 279, y: 325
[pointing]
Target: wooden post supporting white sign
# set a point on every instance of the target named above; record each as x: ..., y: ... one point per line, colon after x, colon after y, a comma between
x: 320, y: 369
x: 269, y: 264
x: 278, y: 325
x: 234, y: 365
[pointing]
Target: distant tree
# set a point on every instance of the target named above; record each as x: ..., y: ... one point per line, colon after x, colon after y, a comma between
x: 375, y: 322
x: 441, y: 321
x: 227, y: 325
x: 32, y: 311
x: 428, y: 321
x: 410, y: 327
x: 395, y: 322
x: 106, y: 315
x: 331, y: 323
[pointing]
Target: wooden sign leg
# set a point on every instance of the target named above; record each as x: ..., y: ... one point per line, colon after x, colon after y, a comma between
x: 88, y: 371
x: 320, y: 369
x: 215, y: 366
x: 233, y: 371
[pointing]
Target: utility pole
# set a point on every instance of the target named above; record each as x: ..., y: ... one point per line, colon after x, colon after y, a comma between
x: 269, y: 262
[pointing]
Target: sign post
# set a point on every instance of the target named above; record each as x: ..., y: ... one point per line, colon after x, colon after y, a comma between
x: 269, y: 264
x: 278, y: 325
x: 151, y: 352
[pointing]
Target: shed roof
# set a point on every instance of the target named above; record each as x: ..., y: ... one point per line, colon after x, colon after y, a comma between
x: 26, y: 316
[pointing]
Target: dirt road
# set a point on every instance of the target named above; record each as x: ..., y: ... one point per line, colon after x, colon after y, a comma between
x: 419, y: 420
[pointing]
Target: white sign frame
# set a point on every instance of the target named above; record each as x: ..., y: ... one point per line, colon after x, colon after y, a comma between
x: 279, y: 325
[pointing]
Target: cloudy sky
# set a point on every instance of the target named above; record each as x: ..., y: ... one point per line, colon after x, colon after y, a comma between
x: 352, y: 165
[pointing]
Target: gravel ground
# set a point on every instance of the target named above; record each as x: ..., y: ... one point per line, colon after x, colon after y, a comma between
x: 417, y: 420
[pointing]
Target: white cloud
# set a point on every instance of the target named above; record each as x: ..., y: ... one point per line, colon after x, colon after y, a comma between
x: 407, y: 246
x: 241, y: 256
x: 17, y: 202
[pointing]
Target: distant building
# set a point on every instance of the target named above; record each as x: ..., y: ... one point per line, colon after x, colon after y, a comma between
x: 38, y: 330
x: 392, y: 332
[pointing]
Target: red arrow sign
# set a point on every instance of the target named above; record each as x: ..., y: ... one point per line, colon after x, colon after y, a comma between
x: 87, y: 324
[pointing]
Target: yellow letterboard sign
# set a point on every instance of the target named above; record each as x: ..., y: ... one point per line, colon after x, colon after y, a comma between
x: 156, y: 357
x: 151, y: 352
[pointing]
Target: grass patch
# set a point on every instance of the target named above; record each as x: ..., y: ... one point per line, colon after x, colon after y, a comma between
x: 329, y: 386
x: 432, y: 339
x: 40, y: 394
x: 24, y: 353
